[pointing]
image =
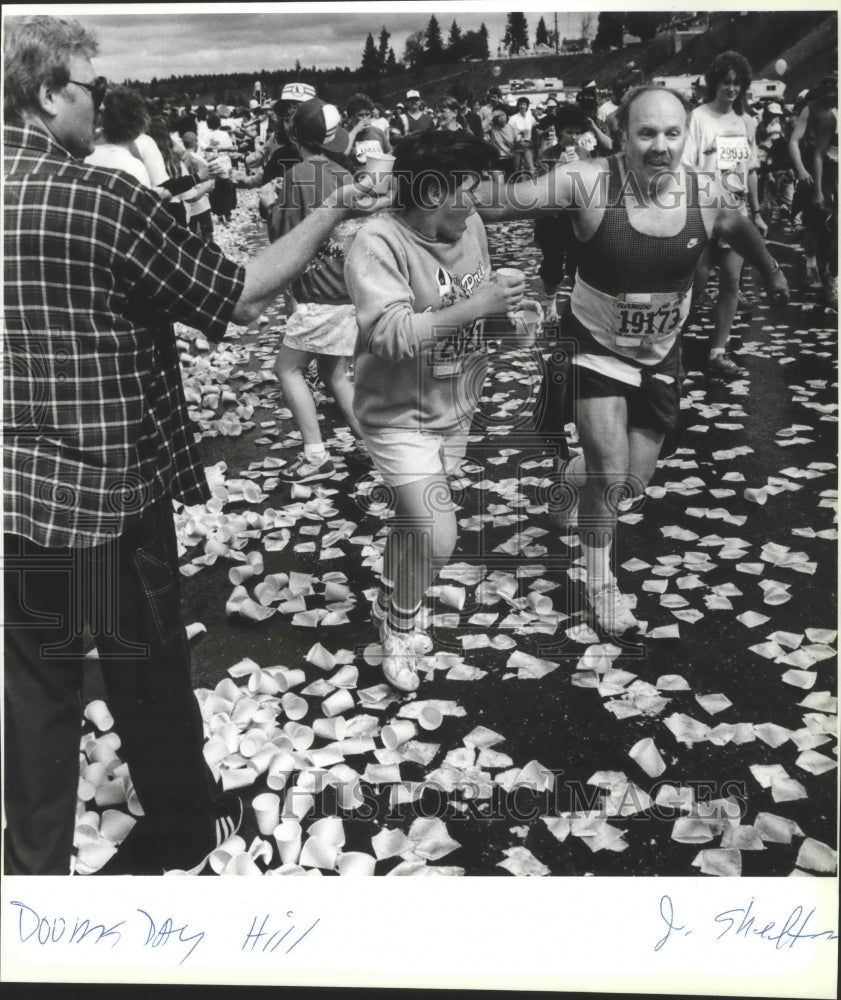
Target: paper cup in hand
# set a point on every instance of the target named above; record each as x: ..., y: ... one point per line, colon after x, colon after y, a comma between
x: 267, y: 810
x: 511, y: 275
x: 379, y: 166
x: 526, y: 322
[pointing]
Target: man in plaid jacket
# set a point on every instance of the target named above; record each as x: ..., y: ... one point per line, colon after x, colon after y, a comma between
x: 97, y: 445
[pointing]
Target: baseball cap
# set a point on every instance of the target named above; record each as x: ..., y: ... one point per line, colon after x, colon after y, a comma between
x: 774, y: 109
x: 399, y: 104
x: 297, y: 92
x: 412, y: 93
x: 317, y: 123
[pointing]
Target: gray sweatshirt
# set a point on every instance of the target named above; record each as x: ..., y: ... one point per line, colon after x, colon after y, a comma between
x: 410, y: 372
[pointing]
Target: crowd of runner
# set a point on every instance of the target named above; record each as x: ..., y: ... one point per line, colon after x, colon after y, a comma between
x: 110, y: 238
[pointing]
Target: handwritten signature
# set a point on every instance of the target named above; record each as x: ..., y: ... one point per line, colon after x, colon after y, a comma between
x: 743, y: 922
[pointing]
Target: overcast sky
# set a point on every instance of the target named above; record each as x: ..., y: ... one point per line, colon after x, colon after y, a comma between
x: 140, y: 41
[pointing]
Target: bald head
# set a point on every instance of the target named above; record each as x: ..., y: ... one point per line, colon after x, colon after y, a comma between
x: 655, y: 123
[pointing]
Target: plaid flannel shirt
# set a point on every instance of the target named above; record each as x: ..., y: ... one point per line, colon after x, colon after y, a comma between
x: 95, y: 421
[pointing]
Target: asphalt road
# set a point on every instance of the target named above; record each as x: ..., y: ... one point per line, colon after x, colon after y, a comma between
x: 697, y: 554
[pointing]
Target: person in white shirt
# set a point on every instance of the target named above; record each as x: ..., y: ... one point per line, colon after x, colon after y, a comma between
x: 523, y: 122
x: 124, y: 118
x: 721, y: 142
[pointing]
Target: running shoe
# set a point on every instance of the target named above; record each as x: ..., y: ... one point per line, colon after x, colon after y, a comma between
x: 612, y: 610
x: 812, y: 280
x: 420, y: 642
x: 723, y: 367
x: 307, y: 470
x: 400, y: 659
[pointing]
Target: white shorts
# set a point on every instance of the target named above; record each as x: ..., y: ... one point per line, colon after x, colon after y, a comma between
x: 404, y: 456
x: 322, y: 329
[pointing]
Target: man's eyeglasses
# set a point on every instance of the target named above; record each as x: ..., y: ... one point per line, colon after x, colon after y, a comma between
x: 97, y: 90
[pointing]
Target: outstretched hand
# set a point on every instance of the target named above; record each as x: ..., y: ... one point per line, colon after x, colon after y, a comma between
x: 362, y: 196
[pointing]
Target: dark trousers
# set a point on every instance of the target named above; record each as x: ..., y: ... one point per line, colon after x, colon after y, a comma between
x: 202, y: 225
x: 126, y: 594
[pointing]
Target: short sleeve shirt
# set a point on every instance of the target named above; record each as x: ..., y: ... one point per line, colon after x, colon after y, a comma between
x: 96, y: 425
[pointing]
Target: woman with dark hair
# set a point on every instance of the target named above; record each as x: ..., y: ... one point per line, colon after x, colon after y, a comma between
x: 722, y: 143
x: 124, y: 118
x: 420, y: 277
x: 449, y: 116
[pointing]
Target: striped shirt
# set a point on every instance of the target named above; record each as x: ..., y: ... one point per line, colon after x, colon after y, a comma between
x: 95, y: 269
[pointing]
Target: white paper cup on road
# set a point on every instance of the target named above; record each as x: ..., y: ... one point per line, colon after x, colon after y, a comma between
x: 331, y: 729
x: 646, y: 754
x: 338, y: 702
x: 97, y: 713
x: 280, y: 769
x: 379, y: 165
x: 453, y: 597
x: 397, y: 733
x: 297, y: 804
x: 239, y: 574
x: 355, y: 863
x: 430, y: 717
x: 266, y: 808
x: 289, y: 677
x: 540, y: 603
x: 294, y: 706
x: 287, y: 836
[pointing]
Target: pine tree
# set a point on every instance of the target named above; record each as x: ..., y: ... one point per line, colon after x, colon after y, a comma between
x: 516, y: 33
x: 434, y: 44
x: 456, y: 49
x: 541, y: 36
x: 382, y: 51
x: 390, y: 62
x: 484, y: 50
x: 369, y: 58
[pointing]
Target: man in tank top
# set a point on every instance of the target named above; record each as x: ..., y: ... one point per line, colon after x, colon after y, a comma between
x: 642, y: 219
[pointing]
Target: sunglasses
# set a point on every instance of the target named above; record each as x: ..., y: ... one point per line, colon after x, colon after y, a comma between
x: 97, y: 90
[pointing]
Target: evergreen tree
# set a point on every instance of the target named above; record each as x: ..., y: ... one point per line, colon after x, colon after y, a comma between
x: 413, y: 50
x: 369, y: 58
x: 609, y: 32
x: 516, y: 33
x: 484, y: 51
x: 434, y: 43
x: 455, y: 44
x: 541, y: 35
x: 382, y: 51
x: 643, y: 24
x: 390, y: 63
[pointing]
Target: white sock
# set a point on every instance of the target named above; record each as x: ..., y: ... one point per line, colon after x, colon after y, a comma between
x: 717, y: 352
x: 597, y: 565
x: 575, y: 471
x: 315, y: 450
